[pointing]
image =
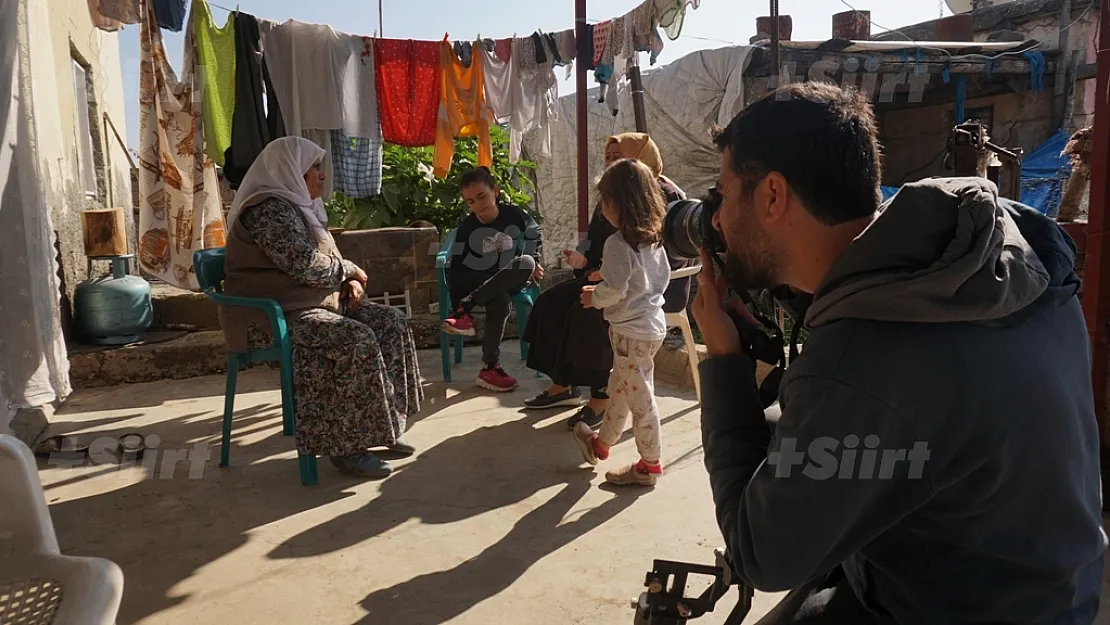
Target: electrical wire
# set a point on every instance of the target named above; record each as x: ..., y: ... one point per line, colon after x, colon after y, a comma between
x: 870, y: 21
x: 1082, y: 15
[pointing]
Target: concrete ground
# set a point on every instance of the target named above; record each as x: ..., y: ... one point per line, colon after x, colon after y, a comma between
x: 496, y: 520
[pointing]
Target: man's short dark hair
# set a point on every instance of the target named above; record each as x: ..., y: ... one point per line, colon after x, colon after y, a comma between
x: 821, y: 138
x: 478, y: 175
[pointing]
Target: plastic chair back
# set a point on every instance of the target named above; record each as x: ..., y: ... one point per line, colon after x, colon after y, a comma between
x: 38, y: 585
x: 209, y: 267
x: 25, y: 525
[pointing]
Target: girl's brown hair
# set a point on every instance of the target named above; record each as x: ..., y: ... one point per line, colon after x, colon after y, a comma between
x: 632, y: 189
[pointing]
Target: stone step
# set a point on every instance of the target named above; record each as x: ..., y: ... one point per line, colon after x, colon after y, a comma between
x: 178, y: 309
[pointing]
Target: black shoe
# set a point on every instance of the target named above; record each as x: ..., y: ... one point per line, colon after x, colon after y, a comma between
x: 363, y: 465
x: 587, y: 416
x: 569, y: 397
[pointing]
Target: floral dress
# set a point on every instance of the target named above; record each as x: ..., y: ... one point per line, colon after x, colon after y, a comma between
x: 356, y: 378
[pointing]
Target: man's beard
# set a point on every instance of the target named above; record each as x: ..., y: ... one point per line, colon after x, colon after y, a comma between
x: 752, y: 272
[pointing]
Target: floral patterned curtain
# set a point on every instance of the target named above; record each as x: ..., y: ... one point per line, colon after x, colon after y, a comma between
x: 179, y: 200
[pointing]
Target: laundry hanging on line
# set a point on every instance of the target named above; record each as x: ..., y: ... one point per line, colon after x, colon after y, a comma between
x: 111, y: 15
x: 216, y: 56
x: 257, y: 119
x: 406, y: 92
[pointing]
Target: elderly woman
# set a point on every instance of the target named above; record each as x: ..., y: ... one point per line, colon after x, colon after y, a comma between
x: 355, y: 373
x: 584, y: 357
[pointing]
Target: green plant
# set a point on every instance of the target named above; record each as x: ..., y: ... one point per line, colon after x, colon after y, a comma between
x: 410, y: 192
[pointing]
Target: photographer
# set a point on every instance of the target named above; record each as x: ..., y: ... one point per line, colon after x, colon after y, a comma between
x: 937, y: 457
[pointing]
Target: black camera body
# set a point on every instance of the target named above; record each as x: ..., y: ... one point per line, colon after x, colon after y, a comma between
x: 688, y: 228
x: 687, y: 231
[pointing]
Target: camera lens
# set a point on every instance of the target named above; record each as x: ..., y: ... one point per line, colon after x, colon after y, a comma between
x: 688, y: 227
x: 682, y: 228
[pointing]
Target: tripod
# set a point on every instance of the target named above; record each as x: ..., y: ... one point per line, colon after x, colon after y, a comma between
x: 665, y: 602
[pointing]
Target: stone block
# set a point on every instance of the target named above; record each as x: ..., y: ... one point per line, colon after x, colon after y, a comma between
x: 392, y: 275
x: 367, y: 245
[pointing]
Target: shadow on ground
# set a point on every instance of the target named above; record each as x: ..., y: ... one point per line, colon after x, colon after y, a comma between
x: 196, y: 519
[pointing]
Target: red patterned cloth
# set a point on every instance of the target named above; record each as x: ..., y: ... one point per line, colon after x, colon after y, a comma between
x: 503, y: 48
x: 601, y: 37
x: 408, y: 84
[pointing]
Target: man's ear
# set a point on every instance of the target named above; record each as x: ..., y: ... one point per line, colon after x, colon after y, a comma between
x: 775, y: 193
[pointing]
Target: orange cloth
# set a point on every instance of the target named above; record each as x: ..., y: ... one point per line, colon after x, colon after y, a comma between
x: 462, y: 110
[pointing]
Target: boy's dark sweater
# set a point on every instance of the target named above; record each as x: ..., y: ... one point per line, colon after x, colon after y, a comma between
x: 468, y: 256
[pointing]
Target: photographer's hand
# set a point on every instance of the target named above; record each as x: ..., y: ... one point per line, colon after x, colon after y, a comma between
x: 711, y: 312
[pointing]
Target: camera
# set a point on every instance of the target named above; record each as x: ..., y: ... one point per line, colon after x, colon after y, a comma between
x: 688, y: 227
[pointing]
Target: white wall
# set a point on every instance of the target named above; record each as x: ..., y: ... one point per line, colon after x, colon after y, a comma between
x: 62, y: 31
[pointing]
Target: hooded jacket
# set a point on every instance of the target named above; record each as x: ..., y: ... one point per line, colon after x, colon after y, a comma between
x: 938, y: 436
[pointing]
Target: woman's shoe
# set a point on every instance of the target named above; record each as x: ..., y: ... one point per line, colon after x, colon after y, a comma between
x: 569, y: 397
x: 365, y: 465
x: 402, y: 448
x: 587, y: 416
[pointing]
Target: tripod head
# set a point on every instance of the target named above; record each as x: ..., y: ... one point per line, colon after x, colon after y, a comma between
x: 665, y: 602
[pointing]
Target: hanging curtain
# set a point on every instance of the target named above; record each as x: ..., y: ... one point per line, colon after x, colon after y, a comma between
x: 34, y: 369
x: 179, y: 200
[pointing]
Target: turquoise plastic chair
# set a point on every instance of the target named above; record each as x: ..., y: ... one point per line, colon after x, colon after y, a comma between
x: 209, y: 267
x: 522, y: 302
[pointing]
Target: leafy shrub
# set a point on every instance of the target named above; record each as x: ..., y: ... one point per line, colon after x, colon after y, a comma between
x: 410, y: 192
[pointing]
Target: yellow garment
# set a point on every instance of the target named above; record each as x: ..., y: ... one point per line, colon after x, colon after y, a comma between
x: 640, y: 146
x: 462, y: 110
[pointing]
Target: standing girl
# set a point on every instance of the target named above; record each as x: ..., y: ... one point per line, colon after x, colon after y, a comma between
x: 634, y: 274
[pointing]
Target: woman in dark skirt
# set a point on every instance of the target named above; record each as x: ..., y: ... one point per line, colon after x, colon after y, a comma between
x: 570, y: 343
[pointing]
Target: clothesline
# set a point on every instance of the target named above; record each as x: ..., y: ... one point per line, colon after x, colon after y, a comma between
x: 590, y: 20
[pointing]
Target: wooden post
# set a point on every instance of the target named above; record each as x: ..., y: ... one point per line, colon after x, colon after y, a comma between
x: 637, y: 94
x: 1096, y: 268
x: 1059, y: 101
x: 776, y: 69
x: 585, y: 58
x: 105, y: 232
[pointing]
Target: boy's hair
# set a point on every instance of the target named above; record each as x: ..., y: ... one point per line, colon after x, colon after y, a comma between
x: 632, y: 189
x: 478, y: 175
x: 821, y: 138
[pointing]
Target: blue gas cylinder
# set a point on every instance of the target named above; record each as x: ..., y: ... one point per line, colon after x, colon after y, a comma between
x: 113, y: 309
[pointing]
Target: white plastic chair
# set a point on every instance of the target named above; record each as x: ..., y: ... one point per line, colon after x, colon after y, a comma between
x: 682, y: 320
x: 38, y: 585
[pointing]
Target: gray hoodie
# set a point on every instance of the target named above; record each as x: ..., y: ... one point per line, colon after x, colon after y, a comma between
x: 938, y: 437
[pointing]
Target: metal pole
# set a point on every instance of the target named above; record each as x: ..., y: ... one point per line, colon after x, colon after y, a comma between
x: 775, y: 68
x: 1059, y: 102
x: 1096, y: 273
x: 381, y: 21
x: 585, y: 58
x: 637, y: 94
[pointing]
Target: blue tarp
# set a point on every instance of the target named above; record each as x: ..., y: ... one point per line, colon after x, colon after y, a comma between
x: 1043, y: 173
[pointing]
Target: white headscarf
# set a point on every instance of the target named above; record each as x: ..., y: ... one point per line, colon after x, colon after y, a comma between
x: 279, y: 172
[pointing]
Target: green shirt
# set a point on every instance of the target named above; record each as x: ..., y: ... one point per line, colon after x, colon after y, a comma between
x: 216, y: 56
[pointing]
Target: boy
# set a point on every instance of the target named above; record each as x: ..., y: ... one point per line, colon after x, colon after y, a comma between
x: 498, y: 251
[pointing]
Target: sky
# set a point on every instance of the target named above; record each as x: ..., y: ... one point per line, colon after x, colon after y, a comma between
x: 715, y: 24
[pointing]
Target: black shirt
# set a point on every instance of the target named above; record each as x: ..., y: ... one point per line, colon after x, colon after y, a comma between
x: 487, y: 248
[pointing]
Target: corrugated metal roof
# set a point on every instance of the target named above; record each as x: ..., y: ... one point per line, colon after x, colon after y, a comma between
x: 950, y: 47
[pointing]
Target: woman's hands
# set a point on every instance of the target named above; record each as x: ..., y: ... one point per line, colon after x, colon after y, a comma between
x: 574, y: 260
x: 353, y: 292
x: 359, y: 276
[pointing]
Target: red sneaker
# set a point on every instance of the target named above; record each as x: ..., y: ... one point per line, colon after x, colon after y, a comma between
x: 460, y: 324
x: 495, y: 379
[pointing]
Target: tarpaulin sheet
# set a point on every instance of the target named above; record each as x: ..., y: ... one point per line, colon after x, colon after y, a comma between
x: 1043, y: 173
